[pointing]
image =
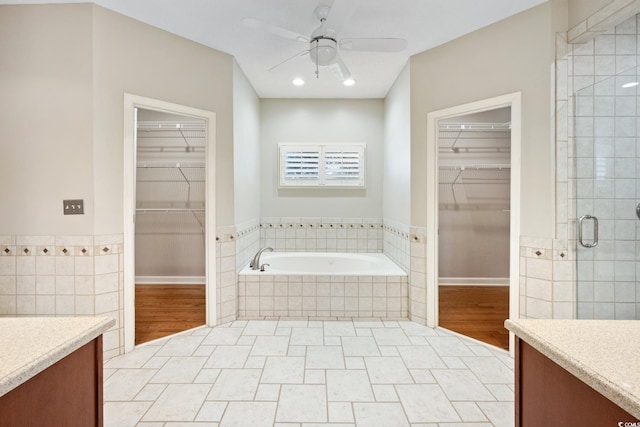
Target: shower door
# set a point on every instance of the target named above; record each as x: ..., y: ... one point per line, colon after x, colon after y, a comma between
x: 607, y: 193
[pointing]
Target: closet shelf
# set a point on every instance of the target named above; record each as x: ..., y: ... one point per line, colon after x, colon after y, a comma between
x: 171, y: 136
x: 487, y: 166
x: 171, y: 149
x: 474, y: 174
x: 473, y: 207
x: 475, y: 127
x: 169, y: 210
x: 163, y: 125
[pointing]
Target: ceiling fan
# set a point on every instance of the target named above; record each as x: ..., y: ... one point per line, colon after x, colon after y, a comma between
x: 324, y: 43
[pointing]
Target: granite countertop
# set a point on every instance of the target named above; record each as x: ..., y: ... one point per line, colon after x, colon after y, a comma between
x: 29, y: 345
x: 605, y: 354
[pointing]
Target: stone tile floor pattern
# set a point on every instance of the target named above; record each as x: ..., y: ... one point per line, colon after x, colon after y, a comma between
x: 289, y: 373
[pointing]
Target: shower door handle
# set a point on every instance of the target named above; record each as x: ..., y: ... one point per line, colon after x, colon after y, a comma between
x: 594, y: 243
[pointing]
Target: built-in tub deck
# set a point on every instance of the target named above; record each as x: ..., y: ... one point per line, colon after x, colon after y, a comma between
x: 323, y: 285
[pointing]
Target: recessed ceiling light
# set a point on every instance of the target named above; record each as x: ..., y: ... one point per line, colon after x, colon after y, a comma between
x: 349, y: 82
x: 630, y: 84
x: 298, y: 82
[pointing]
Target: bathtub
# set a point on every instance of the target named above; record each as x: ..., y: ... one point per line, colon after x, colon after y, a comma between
x: 325, y: 263
x: 323, y: 285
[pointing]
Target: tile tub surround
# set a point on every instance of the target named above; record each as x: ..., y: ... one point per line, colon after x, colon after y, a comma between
x: 311, y: 234
x: 601, y: 353
x: 327, y: 296
x: 396, y: 243
x: 302, y: 373
x: 31, y: 345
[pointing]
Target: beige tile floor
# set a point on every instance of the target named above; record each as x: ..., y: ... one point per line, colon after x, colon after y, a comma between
x: 311, y: 373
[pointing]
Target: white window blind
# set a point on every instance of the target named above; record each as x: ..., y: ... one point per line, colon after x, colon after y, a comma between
x: 322, y: 165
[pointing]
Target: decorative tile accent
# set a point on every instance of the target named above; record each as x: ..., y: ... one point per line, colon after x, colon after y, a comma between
x: 322, y: 234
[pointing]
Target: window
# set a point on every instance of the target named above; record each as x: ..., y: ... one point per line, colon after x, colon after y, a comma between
x: 322, y: 165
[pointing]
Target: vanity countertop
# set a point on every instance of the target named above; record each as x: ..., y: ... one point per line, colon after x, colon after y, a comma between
x: 29, y: 345
x: 605, y: 354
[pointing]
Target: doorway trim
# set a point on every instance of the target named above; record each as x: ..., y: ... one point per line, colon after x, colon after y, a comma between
x: 131, y: 102
x: 512, y: 100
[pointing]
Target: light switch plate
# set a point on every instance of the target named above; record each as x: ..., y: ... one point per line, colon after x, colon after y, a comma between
x: 73, y: 207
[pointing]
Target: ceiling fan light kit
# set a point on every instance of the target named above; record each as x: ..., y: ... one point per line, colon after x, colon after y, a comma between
x: 325, y: 46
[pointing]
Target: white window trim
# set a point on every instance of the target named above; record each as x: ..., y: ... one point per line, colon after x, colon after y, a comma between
x: 322, y: 181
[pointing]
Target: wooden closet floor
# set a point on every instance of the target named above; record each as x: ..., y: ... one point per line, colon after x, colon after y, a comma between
x: 476, y: 311
x: 163, y: 310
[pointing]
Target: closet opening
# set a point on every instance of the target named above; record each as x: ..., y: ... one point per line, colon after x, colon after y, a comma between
x: 170, y: 224
x: 473, y: 210
x: 474, y: 177
x: 170, y: 267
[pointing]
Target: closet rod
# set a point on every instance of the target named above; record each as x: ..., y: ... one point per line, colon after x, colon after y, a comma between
x: 477, y: 167
x: 476, y: 127
x: 169, y: 210
x: 171, y: 165
x: 169, y: 125
x: 471, y: 138
x: 171, y: 148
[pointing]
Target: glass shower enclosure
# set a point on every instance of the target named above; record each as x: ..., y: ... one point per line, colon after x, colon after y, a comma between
x: 607, y: 192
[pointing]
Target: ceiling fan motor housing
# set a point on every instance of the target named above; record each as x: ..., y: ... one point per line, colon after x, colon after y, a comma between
x: 323, y: 50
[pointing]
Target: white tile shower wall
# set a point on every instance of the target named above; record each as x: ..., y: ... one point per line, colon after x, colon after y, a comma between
x: 64, y: 276
x: 308, y: 234
x: 597, y: 157
x: 262, y: 297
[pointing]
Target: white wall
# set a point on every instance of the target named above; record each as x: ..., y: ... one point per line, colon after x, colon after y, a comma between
x: 64, y: 71
x: 312, y: 121
x: 246, y: 148
x: 579, y: 10
x: 132, y: 57
x: 513, y: 55
x: 396, y: 173
x: 46, y: 151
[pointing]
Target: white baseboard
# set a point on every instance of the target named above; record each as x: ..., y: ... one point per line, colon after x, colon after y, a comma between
x: 170, y: 280
x: 473, y: 281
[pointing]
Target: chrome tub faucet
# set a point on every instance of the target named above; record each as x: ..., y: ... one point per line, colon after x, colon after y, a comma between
x: 255, y: 262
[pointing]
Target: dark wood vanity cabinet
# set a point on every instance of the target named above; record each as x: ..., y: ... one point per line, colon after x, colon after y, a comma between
x: 66, y: 394
x: 548, y: 395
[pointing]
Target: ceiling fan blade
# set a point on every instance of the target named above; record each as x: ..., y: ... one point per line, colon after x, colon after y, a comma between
x: 257, y: 24
x: 302, y: 53
x: 340, y: 14
x: 346, y: 74
x: 374, y: 44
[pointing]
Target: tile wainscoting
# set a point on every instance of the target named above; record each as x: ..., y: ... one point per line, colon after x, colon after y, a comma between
x: 83, y: 276
x: 64, y: 276
x: 547, y: 289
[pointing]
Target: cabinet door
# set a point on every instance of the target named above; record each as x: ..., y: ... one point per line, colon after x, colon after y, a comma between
x: 66, y: 394
x: 548, y: 395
